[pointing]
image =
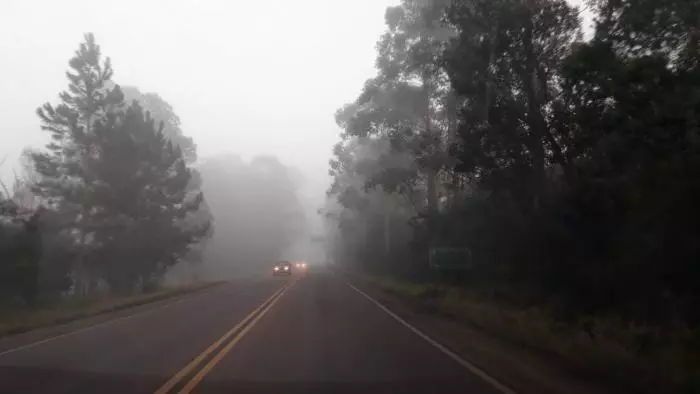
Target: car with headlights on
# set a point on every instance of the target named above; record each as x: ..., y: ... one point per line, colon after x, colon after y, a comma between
x: 300, y: 265
x: 282, y: 268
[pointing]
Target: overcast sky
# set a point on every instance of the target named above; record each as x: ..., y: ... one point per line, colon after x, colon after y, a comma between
x: 244, y: 76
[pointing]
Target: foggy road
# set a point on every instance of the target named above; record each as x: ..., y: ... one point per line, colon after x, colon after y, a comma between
x: 308, y: 333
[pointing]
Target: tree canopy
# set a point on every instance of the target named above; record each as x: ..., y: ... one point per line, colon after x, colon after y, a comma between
x: 114, y: 183
x: 566, y: 166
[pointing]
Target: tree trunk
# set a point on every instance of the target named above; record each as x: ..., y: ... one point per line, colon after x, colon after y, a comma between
x: 493, y: 43
x: 81, y: 275
x: 387, y: 234
x: 534, y: 73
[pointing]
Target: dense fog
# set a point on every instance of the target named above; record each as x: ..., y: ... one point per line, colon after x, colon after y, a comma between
x: 536, y: 157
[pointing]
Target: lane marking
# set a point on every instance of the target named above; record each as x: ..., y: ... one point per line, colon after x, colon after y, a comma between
x: 466, y: 364
x: 207, y: 368
x: 197, y: 360
x: 109, y: 321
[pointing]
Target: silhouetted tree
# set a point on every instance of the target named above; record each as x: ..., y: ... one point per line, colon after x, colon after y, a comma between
x: 141, y: 198
x: 114, y: 183
x: 162, y: 112
x: 65, y: 181
x: 567, y: 167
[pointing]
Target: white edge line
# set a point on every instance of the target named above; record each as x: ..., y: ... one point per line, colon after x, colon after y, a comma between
x: 88, y: 328
x: 466, y: 364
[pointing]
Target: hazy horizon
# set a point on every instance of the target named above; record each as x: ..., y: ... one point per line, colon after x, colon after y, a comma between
x: 219, y: 64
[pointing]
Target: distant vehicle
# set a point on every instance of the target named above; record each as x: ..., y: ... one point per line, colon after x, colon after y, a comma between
x: 300, y: 265
x: 282, y: 268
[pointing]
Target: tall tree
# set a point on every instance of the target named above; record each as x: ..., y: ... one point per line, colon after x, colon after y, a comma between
x: 578, y: 162
x: 162, y: 111
x: 407, y: 114
x: 141, y: 190
x: 410, y: 101
x: 65, y: 181
x: 505, y: 66
x: 371, y: 222
x: 635, y: 91
x: 114, y: 182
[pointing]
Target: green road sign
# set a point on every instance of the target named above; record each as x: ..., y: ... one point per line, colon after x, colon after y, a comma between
x: 450, y: 258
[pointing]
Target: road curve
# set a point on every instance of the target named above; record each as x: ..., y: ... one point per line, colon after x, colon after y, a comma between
x: 305, y: 334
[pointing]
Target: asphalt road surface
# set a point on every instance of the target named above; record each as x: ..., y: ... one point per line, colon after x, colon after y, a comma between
x: 307, y: 334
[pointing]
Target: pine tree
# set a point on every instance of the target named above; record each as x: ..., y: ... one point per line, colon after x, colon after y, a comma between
x: 162, y: 112
x: 142, y: 198
x: 65, y: 181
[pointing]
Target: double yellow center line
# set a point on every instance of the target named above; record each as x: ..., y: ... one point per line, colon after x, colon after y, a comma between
x: 239, y: 329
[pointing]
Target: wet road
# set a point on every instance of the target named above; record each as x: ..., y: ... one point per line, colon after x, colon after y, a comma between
x: 308, y: 333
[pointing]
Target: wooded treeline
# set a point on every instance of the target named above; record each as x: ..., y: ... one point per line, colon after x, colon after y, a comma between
x: 258, y: 212
x: 111, y: 202
x: 568, y: 166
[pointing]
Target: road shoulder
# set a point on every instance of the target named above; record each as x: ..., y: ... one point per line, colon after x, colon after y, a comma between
x: 23, y: 336
x: 522, y: 369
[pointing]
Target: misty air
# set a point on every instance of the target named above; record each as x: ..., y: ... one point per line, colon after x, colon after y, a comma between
x: 377, y: 196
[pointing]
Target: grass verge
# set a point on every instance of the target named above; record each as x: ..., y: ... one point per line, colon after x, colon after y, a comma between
x: 20, y: 321
x: 641, y: 358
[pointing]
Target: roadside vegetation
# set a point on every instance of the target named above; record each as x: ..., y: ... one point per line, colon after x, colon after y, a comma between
x: 566, y: 164
x: 109, y: 205
x: 113, y: 208
x: 19, y: 320
x: 114, y: 203
x: 636, y: 357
